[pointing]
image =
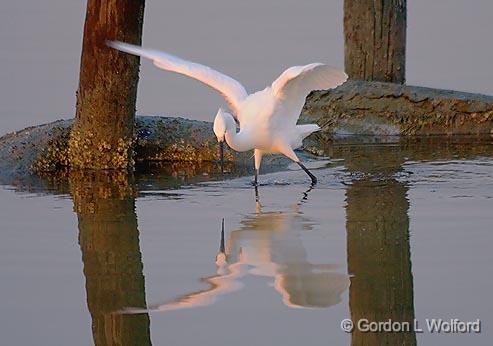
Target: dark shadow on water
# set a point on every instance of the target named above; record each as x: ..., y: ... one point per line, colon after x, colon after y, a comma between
x: 378, y: 250
x: 109, y: 242
x: 147, y: 177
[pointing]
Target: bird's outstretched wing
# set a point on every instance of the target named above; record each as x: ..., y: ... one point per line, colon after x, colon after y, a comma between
x: 232, y: 90
x: 293, y: 86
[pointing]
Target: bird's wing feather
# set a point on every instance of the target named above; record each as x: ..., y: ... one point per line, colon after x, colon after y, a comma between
x: 232, y: 90
x: 293, y: 86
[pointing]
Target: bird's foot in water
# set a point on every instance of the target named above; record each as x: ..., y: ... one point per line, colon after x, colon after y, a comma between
x: 255, y: 179
x: 257, y: 199
x: 312, y: 177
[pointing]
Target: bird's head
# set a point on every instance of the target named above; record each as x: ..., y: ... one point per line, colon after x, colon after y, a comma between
x: 223, y: 123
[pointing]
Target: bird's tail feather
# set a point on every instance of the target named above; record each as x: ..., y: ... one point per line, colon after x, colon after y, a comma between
x: 133, y: 49
x: 306, y: 130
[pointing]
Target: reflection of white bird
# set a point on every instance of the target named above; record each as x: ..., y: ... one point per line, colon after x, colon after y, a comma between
x: 267, y: 118
x: 267, y: 244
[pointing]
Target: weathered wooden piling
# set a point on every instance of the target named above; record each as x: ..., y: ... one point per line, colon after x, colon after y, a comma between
x: 375, y: 40
x: 105, y: 111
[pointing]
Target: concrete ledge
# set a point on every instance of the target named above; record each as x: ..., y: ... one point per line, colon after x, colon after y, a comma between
x: 375, y: 108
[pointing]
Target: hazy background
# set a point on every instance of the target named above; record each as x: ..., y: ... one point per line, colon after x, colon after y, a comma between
x: 449, y: 46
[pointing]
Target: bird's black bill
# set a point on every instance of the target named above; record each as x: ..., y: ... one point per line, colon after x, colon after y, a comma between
x: 221, y: 155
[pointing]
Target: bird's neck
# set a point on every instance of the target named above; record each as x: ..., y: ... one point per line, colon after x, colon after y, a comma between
x: 238, y: 141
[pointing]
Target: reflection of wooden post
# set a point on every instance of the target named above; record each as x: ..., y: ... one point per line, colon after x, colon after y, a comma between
x: 379, y: 258
x: 375, y: 39
x: 107, y: 91
x: 109, y: 241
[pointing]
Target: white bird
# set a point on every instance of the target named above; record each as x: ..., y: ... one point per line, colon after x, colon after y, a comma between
x: 267, y: 118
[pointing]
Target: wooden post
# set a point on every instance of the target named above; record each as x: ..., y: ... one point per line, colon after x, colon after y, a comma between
x: 375, y: 40
x: 105, y: 111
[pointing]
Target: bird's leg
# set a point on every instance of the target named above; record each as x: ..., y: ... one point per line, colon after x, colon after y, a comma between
x: 312, y: 177
x: 257, y: 156
x: 285, y: 149
x: 258, y: 206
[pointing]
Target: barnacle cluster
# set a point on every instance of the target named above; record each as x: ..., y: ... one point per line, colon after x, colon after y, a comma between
x: 66, y: 150
x: 88, y: 152
x: 182, y: 151
x: 54, y: 156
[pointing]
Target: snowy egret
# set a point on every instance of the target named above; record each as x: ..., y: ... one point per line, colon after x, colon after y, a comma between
x: 267, y: 118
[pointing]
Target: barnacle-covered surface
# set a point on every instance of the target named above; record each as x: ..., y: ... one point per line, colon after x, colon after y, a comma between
x: 41, y: 148
x: 177, y: 139
x: 187, y: 145
x: 86, y: 151
x: 376, y: 108
x: 45, y: 148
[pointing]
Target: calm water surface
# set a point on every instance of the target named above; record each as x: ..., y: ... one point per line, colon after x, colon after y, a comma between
x: 396, y: 230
